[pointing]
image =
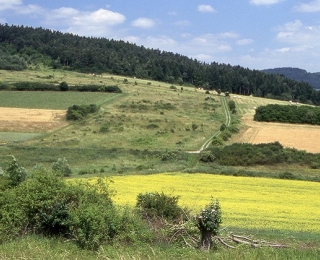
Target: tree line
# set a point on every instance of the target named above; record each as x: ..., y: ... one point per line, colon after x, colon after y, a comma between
x: 288, y: 114
x: 31, y: 46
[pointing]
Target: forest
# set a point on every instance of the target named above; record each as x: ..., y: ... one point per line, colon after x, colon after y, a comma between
x: 23, y: 46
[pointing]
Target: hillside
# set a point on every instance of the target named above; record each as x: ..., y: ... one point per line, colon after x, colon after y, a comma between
x: 297, y: 74
x: 25, y: 47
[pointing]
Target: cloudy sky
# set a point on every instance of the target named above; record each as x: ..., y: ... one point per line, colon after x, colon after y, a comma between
x: 257, y: 34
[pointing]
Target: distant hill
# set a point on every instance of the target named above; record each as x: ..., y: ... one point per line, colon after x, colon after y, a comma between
x: 23, y: 47
x: 298, y: 74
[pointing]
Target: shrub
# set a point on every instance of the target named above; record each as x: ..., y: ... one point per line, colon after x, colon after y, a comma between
x: 62, y: 167
x: 287, y: 176
x: 154, y: 204
x: 217, y: 141
x: 64, y: 86
x: 45, y: 204
x: 78, y: 112
x: 173, y: 87
x: 208, y: 222
x: 104, y: 128
x: 15, y: 173
x: 206, y: 156
x: 223, y: 127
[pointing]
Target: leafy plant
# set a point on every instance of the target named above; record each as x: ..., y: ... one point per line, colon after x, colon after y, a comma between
x: 154, y: 204
x: 208, y: 222
x: 15, y: 172
x: 61, y: 166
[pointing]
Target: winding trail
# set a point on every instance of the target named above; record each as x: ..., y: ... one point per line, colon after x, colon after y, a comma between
x: 227, y: 123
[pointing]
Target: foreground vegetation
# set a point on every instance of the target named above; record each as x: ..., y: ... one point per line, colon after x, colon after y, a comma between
x: 85, y: 219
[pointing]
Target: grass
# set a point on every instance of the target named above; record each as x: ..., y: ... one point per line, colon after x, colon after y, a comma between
x: 51, y: 100
x: 36, y: 248
x: 145, y: 124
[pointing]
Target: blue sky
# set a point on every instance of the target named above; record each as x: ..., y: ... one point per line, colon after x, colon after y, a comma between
x: 257, y: 34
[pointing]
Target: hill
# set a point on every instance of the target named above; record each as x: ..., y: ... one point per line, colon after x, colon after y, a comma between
x: 22, y: 47
x: 297, y: 74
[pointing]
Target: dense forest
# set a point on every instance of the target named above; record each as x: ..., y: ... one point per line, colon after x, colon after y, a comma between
x: 22, y: 46
x: 298, y: 74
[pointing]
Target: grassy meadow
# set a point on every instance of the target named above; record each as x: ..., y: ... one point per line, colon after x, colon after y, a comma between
x: 141, y: 138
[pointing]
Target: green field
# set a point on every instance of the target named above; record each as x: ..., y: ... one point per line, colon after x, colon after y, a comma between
x: 150, y: 128
x: 51, y: 100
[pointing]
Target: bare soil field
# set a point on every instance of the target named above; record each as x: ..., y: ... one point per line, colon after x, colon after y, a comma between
x: 30, y: 120
x: 301, y: 137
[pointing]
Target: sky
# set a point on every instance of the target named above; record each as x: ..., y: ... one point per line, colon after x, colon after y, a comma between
x: 256, y: 34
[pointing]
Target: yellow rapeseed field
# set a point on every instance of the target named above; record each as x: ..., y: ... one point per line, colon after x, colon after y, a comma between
x: 246, y: 202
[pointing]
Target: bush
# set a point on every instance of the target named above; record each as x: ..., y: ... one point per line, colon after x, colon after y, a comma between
x: 206, y: 156
x: 287, y: 176
x: 78, y: 112
x: 223, y: 127
x: 16, y: 174
x: 64, y: 86
x: 45, y: 204
x: 62, y: 167
x: 154, y: 204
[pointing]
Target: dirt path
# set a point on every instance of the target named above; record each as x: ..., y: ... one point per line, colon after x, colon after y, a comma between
x: 30, y: 120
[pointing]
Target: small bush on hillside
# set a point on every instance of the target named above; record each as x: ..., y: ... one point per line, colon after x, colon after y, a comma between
x: 223, y: 127
x: 64, y: 86
x: 79, y: 112
x: 206, y: 156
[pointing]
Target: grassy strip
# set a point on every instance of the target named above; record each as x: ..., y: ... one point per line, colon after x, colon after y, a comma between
x: 51, y: 100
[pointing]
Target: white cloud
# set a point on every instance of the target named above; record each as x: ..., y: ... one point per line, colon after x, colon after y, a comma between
x: 313, y: 6
x: 9, y: 4
x: 264, y: 2
x: 206, y: 9
x: 244, y: 41
x: 183, y: 23
x: 31, y: 9
x: 101, y: 17
x: 298, y: 34
x: 145, y: 23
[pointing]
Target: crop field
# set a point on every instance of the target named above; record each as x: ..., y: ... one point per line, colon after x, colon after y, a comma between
x: 301, y: 137
x: 256, y: 203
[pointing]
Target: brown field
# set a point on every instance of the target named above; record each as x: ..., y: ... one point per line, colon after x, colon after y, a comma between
x: 30, y: 120
x: 301, y: 137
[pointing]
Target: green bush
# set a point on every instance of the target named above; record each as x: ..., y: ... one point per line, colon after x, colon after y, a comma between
x: 287, y: 176
x: 78, y: 112
x: 206, y: 156
x: 62, y: 167
x: 16, y: 173
x: 45, y: 204
x: 64, y: 86
x: 154, y: 204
